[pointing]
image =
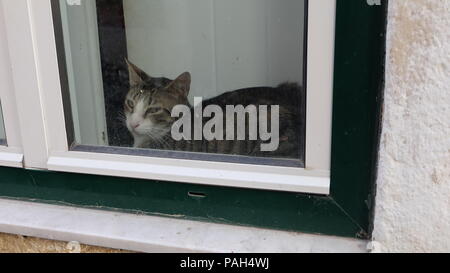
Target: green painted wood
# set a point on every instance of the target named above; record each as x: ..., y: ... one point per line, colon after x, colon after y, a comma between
x: 358, y: 89
x: 225, y: 205
x: 357, y: 99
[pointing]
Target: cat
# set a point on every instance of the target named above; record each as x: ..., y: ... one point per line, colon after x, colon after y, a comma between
x: 150, y: 101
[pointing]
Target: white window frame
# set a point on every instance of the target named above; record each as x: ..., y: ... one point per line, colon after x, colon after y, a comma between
x: 11, y: 154
x: 29, y: 24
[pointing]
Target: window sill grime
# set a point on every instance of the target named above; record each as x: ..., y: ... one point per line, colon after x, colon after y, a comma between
x: 157, y: 234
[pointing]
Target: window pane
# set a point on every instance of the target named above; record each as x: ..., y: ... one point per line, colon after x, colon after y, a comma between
x: 2, y: 128
x: 219, y: 79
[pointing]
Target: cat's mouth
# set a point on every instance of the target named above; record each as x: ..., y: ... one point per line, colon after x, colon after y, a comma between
x: 137, y: 131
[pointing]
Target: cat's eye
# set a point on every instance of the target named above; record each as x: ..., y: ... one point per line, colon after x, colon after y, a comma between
x: 153, y: 110
x: 130, y: 104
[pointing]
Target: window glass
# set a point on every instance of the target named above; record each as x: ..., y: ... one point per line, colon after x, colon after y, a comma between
x: 2, y: 128
x: 200, y: 79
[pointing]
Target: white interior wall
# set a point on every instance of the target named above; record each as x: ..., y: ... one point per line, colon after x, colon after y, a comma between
x: 224, y: 44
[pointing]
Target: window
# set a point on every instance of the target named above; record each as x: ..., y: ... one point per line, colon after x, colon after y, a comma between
x: 200, y: 56
x: 85, y: 62
x: 146, y: 96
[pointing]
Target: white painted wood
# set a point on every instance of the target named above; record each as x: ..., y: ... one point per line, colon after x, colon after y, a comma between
x: 11, y: 157
x: 158, y: 234
x: 21, y: 37
x: 320, y: 78
x: 50, y: 91
x: 196, y: 172
x: 9, y: 119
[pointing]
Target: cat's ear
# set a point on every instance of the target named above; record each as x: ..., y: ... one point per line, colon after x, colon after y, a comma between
x: 181, y: 85
x: 137, y: 76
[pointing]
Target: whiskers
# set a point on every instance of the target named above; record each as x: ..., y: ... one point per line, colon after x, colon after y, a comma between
x: 122, y: 118
x: 158, y: 137
x: 155, y: 137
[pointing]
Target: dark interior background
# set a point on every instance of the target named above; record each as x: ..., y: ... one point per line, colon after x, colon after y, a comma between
x: 113, y: 51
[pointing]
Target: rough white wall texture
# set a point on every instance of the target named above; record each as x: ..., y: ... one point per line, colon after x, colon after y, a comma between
x: 413, y: 200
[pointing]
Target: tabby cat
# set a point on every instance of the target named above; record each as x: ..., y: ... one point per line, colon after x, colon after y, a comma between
x: 149, y: 103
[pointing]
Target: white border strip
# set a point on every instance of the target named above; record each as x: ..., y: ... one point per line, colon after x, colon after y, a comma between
x: 7, y: 91
x: 26, y: 80
x: 196, y: 172
x: 320, y: 77
x: 10, y: 159
x: 157, y: 234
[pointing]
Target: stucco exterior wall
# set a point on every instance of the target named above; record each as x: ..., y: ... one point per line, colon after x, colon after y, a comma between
x: 413, y: 197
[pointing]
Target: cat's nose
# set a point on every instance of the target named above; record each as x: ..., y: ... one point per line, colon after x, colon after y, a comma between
x: 135, y: 125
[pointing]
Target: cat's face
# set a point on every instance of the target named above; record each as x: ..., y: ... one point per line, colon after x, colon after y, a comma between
x: 149, y: 103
